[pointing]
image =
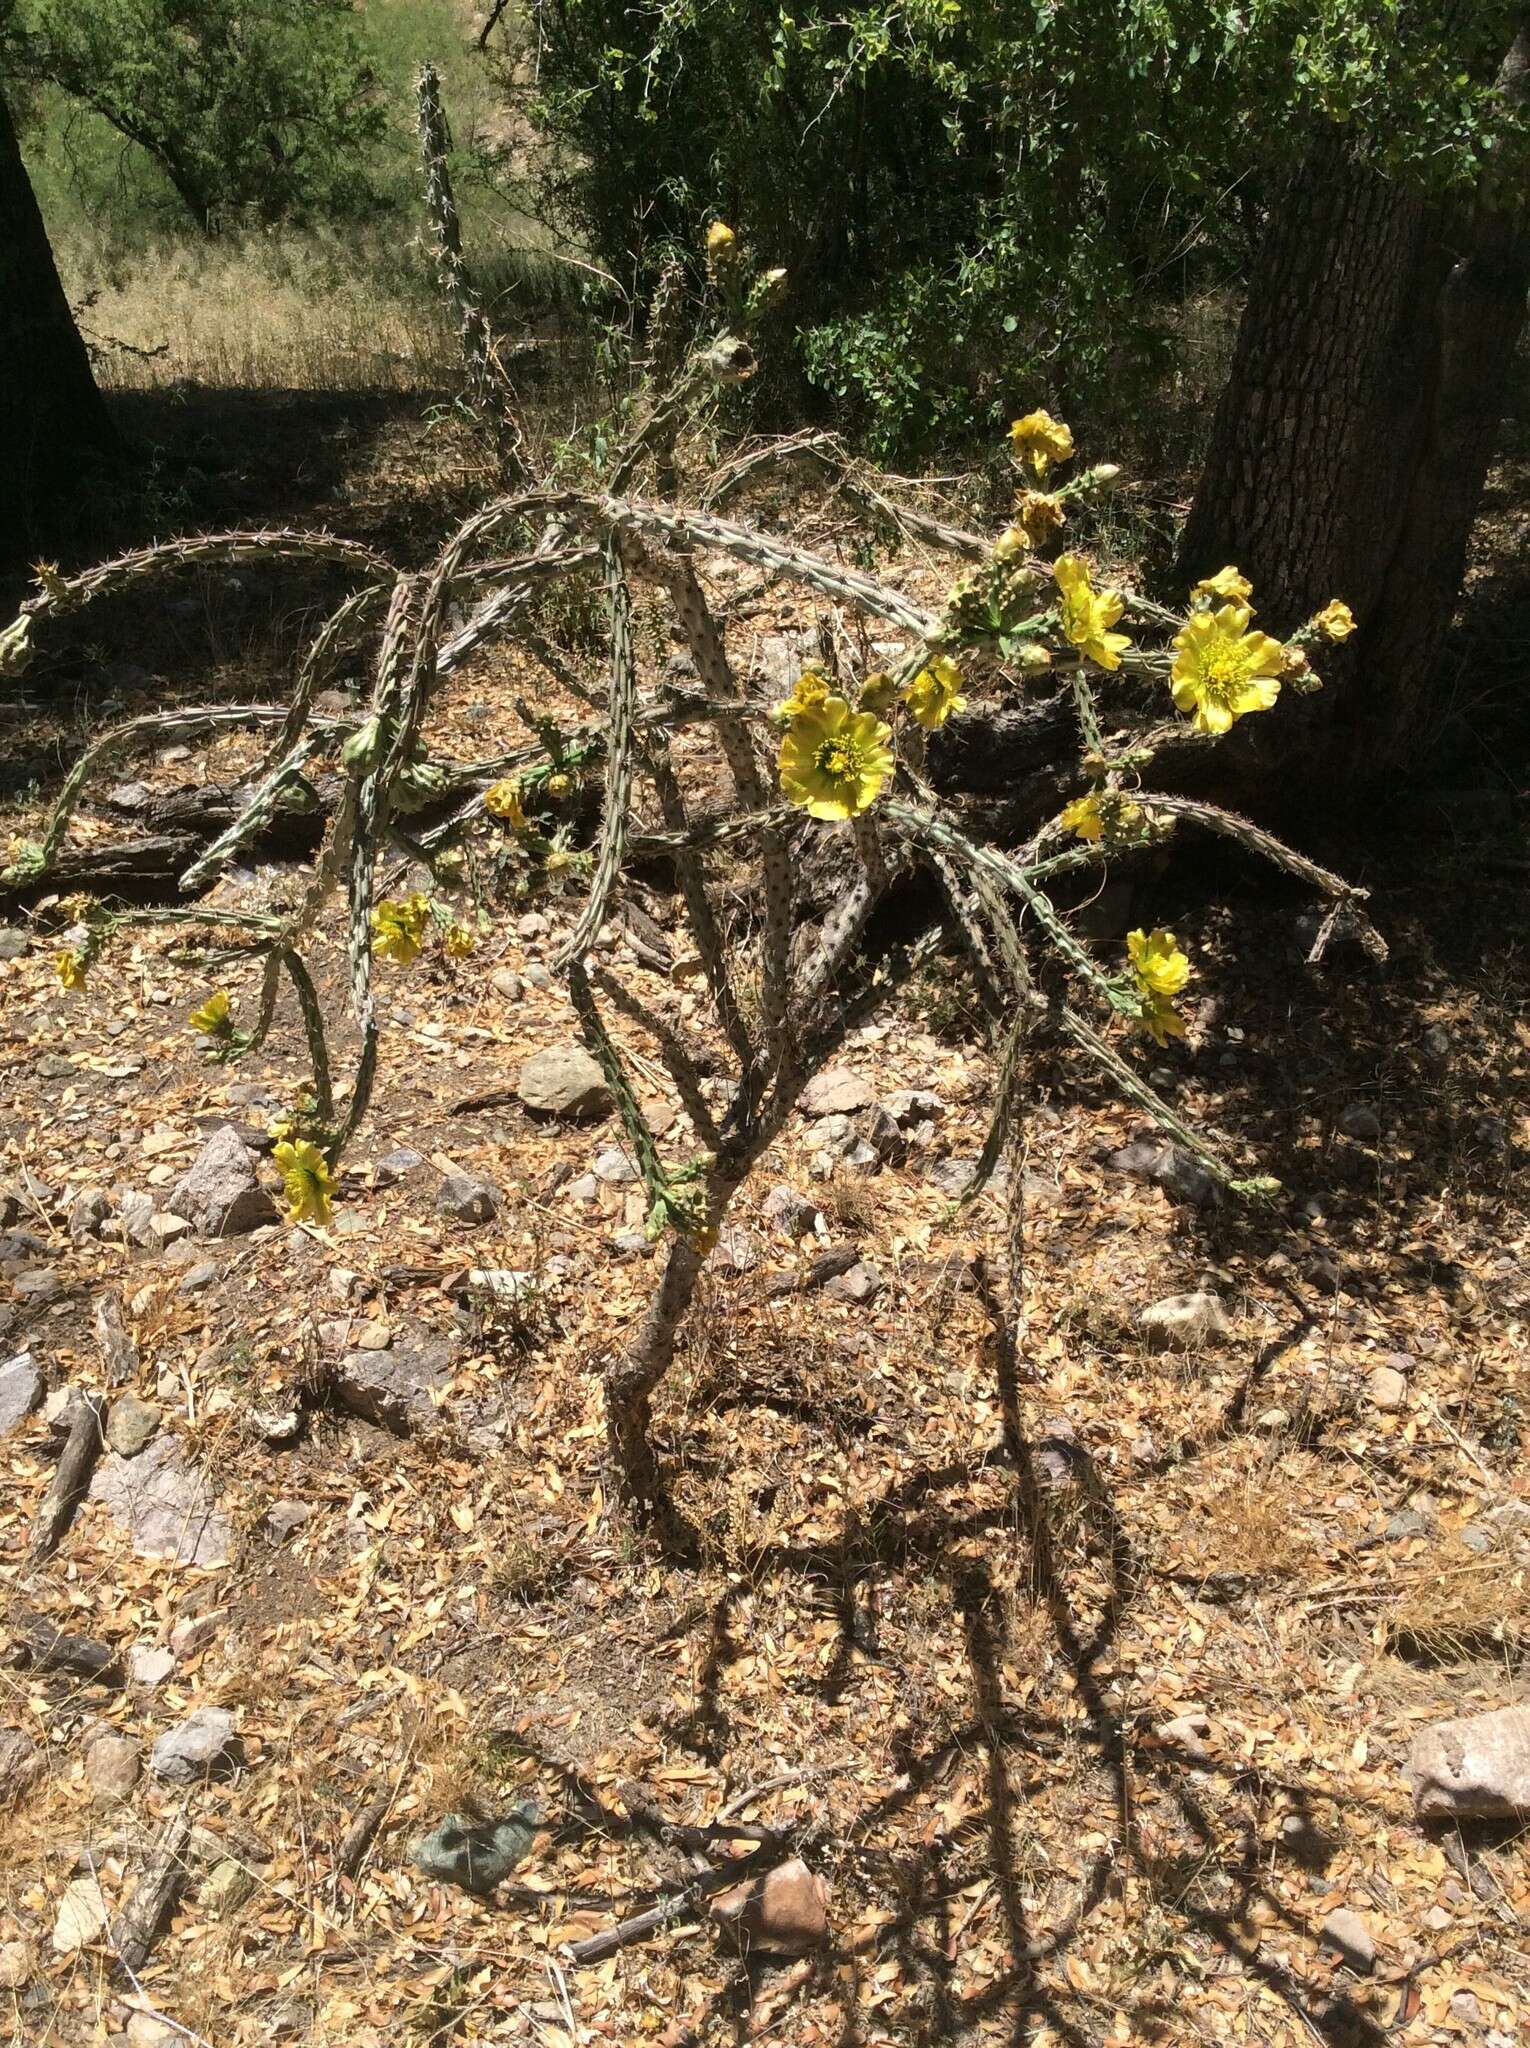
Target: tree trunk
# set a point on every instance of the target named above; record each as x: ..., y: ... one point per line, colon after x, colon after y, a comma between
x: 53, y: 421
x: 1351, y: 443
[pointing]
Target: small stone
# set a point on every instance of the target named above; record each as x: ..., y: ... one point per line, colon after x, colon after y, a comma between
x: 1347, y: 1933
x: 87, y: 1212
x: 21, y: 1387
x: 21, y: 1765
x: 1406, y: 1524
x: 83, y: 1916
x: 468, y: 1199
x: 130, y: 1425
x: 508, y: 984
x: 1465, y: 2009
x: 399, y: 1163
x: 585, y: 1189
x: 40, y: 1283
x: 13, y: 942
x: 204, y: 1745
x: 1185, y: 1322
x: 191, y: 1636
x: 112, y: 1765
x: 56, y: 1066
x: 734, y: 1251
x: 616, y: 1167
x: 149, y: 1664
x: 343, y: 1283
x: 633, y: 1244
x: 910, y: 1106
x: 398, y: 1389
x: 130, y: 1224
x: 836, y: 1092
x: 166, y: 1229
x: 276, y: 1425
x: 225, y: 1888
x: 371, y: 1335
x: 563, y: 1081
x: 1273, y: 1420
x: 1359, y: 1121
x: 148, y: 2030
x: 532, y: 926
x: 882, y: 1132
x: 860, y: 1284
x: 284, y: 1517
x: 1476, y: 1539
x: 790, y: 1212
x: 535, y: 975
x: 1437, y: 1042
x: 15, y: 1956
x: 1386, y: 1389
x: 786, y: 1911
x: 477, y: 1854
x: 165, y: 1504
x: 196, y: 1277
x: 1188, y: 1732
x: 1478, y: 1765
x: 222, y: 1196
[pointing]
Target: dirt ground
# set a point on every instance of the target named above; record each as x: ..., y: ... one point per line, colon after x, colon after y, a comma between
x: 1087, y: 1687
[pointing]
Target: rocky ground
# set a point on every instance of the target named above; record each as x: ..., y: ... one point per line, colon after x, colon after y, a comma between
x: 340, y: 1701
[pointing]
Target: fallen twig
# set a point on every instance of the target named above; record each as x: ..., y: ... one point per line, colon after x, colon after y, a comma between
x: 82, y: 1447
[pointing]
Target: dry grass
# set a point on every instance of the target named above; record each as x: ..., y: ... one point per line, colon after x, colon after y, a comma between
x: 262, y: 312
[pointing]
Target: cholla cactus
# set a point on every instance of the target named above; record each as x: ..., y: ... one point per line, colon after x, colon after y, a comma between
x: 843, y: 756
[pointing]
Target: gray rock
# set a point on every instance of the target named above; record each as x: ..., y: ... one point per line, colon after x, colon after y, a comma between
x: 193, y: 1634
x: 477, y: 1854
x: 836, y: 1092
x: 734, y: 1251
x: 563, y: 1081
x: 535, y: 975
x: 859, y: 1284
x: 1386, y: 1389
x: 790, y: 1212
x: 56, y: 1066
x: 112, y: 1765
x: 508, y: 984
x: 21, y: 1765
x: 130, y: 1425
x: 83, y: 1916
x: 38, y: 1283
x: 166, y: 1229
x: 203, y: 1746
x: 1152, y: 1158
x: 633, y: 1244
x: 1475, y: 1766
x: 394, y: 1388
x: 883, y: 1133
x: 226, y: 1887
x: 1185, y: 1322
x: 1437, y: 1042
x: 951, y: 1176
x: 13, y: 943
x: 467, y: 1198
x: 910, y: 1106
x: 284, y: 1517
x: 276, y: 1425
x: 165, y: 1504
x: 130, y: 1224
x: 21, y: 1387
x: 399, y: 1163
x: 222, y: 1196
x: 149, y: 1664
x: 504, y: 1283
x: 15, y: 1965
x: 585, y: 1189
x: 196, y: 1277
x: 1359, y: 1121
x: 87, y: 1212
x: 1345, y: 1932
x: 616, y: 1167
x: 1476, y: 1539
x: 1406, y: 1524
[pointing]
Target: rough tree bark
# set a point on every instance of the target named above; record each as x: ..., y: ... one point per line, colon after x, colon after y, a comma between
x: 54, y: 426
x: 1352, y: 440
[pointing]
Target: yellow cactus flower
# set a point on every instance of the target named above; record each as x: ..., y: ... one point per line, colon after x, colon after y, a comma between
x: 1161, y: 968
x: 879, y: 693
x: 1102, y: 814
x: 307, y: 1180
x: 457, y: 942
x: 398, y: 928
x: 809, y: 693
x: 721, y: 239
x: 1038, y: 441
x: 1039, y: 515
x: 213, y: 1017
x: 1087, y: 613
x: 1224, y: 671
x: 558, y: 786
x: 935, y: 693
x: 1335, y: 621
x: 502, y: 800
x: 1160, y: 1020
x: 835, y: 760
x: 70, y: 969
x: 1229, y: 584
